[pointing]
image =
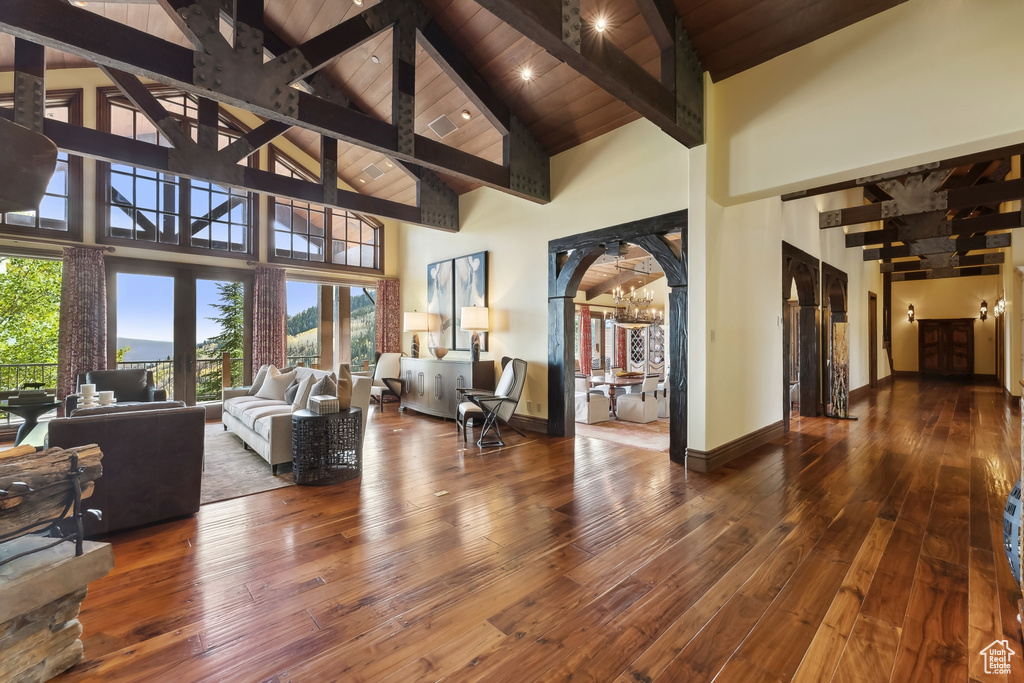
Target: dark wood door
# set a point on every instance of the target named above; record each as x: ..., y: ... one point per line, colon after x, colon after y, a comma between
x: 946, y: 347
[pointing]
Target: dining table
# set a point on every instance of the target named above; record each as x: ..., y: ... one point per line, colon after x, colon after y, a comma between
x: 615, y: 382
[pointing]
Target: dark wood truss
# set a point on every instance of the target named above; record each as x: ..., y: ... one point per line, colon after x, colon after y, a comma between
x: 259, y: 72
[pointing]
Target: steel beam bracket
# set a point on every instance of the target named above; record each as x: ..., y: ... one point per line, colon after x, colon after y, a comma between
x: 529, y: 165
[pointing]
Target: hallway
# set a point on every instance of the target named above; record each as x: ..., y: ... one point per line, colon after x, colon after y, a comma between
x: 867, y: 550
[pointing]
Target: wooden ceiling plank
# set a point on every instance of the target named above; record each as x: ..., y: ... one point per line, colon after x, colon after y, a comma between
x: 953, y: 261
x: 342, y: 37
x: 600, y: 61
x: 459, y: 69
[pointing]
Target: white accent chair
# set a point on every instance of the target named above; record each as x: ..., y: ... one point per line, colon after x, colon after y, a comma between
x: 591, y: 406
x: 386, y: 377
x: 639, y: 406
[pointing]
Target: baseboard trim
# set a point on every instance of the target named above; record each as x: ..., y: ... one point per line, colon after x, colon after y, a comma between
x: 913, y: 374
x: 529, y: 423
x: 705, y: 461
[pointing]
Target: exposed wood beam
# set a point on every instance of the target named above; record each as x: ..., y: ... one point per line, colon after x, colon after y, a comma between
x: 941, y: 261
x: 82, y: 33
x: 144, y: 100
x: 660, y: 17
x: 953, y: 162
x: 604, y: 64
x: 941, y: 275
x: 955, y: 228
x: 29, y: 84
x: 957, y: 198
x: 940, y: 245
x: 117, y: 149
x: 253, y: 140
x: 625, y: 232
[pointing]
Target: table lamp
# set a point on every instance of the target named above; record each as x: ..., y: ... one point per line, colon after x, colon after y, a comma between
x: 415, y: 321
x: 475, y: 319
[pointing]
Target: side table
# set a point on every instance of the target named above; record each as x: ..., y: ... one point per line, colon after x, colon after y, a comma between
x: 30, y: 412
x: 327, y: 449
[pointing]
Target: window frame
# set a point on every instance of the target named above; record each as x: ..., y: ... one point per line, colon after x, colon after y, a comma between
x: 276, y: 155
x: 104, y: 97
x: 72, y: 98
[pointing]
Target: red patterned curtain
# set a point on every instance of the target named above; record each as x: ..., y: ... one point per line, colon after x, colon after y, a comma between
x: 389, y: 317
x: 83, y: 317
x: 620, y: 347
x: 586, y: 350
x: 269, y: 315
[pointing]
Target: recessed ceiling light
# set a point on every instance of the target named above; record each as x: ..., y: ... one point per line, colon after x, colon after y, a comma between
x: 466, y: 114
x: 362, y: 180
x: 389, y: 164
x: 375, y: 59
x: 80, y: 3
x: 601, y: 24
x: 357, y: 3
x: 526, y: 73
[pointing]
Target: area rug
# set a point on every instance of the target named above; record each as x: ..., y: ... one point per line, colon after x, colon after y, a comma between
x: 652, y: 436
x: 231, y: 471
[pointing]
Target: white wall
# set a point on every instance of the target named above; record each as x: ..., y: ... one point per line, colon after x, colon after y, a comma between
x: 634, y: 172
x: 876, y: 96
x: 948, y: 298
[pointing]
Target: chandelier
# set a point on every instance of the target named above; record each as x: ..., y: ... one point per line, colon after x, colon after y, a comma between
x: 634, y: 312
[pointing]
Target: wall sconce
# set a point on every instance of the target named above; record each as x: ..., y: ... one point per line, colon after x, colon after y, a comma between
x: 414, y: 322
x: 475, y: 319
x: 984, y: 310
x: 910, y: 312
x: 1000, y: 307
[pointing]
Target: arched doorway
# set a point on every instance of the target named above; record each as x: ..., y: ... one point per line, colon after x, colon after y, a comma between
x: 568, y: 259
x: 801, y: 269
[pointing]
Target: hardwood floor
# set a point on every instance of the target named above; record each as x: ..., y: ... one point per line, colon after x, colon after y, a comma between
x: 844, y: 551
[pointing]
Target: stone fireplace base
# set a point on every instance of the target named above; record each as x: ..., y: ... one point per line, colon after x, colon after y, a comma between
x: 40, y: 595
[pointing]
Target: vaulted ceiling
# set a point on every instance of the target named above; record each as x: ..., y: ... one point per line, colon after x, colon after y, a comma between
x: 561, y: 106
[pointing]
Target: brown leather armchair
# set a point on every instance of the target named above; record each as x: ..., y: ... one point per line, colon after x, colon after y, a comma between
x: 152, y: 461
x: 130, y: 385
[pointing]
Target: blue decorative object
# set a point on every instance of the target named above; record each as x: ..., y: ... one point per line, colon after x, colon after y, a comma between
x: 1011, y: 530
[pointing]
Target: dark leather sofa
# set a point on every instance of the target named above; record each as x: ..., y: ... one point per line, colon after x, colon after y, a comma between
x: 152, y: 461
x: 130, y: 385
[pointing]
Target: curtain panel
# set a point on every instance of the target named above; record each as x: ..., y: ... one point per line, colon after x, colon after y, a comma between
x: 586, y: 350
x: 620, y: 347
x: 269, y: 318
x: 82, y: 337
x: 389, y: 317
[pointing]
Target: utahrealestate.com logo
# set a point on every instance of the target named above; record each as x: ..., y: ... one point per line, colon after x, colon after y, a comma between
x: 997, y: 657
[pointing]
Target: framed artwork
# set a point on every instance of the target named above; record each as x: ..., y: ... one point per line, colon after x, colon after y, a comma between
x: 440, y: 304
x: 470, y: 290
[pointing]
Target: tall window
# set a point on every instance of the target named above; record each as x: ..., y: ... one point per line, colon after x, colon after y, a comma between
x: 321, y: 235
x: 160, y: 209
x: 60, y: 211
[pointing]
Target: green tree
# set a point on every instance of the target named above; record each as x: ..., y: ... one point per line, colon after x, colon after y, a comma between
x: 29, y: 312
x: 231, y: 339
x: 303, y: 321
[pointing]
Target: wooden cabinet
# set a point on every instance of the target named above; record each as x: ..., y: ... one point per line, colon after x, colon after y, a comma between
x: 429, y: 385
x: 946, y: 347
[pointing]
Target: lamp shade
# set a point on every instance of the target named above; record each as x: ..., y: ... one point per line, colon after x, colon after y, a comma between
x: 475, y: 318
x: 415, y: 321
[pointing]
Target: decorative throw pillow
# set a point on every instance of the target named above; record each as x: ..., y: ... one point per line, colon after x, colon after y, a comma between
x: 301, y: 394
x: 344, y: 386
x: 289, y: 393
x: 274, y: 386
x: 325, y: 386
x: 257, y: 381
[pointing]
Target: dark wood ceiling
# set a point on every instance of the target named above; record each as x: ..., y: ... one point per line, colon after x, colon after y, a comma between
x: 560, y: 107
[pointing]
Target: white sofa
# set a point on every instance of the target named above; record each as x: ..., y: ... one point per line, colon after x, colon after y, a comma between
x: 266, y: 425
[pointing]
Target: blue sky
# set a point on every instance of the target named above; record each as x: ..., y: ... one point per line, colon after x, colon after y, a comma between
x: 145, y: 305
